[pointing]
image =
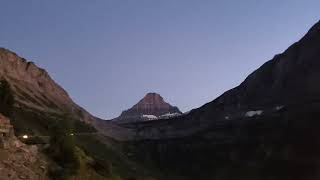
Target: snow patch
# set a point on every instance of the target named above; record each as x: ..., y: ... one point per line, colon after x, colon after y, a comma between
x: 253, y: 113
x: 149, y: 116
x: 188, y: 112
x: 278, y: 108
x: 170, y: 115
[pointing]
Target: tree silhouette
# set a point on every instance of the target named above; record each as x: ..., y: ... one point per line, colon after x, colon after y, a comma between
x: 62, y: 146
x: 6, y: 99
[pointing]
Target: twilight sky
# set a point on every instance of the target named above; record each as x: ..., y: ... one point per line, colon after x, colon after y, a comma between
x: 108, y: 53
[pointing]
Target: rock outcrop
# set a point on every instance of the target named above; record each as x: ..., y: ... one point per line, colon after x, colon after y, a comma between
x: 17, y: 160
x: 151, y: 107
x: 6, y: 132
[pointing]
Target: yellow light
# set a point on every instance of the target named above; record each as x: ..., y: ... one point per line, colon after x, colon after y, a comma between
x: 71, y: 134
x: 25, y: 136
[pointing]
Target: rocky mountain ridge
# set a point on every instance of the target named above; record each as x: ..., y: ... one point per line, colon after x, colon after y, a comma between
x: 33, y: 86
x: 288, y: 79
x: 35, y: 92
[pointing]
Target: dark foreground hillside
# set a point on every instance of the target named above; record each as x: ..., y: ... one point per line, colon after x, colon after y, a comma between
x: 280, y: 145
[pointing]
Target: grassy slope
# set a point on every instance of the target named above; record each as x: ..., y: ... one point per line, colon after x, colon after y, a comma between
x: 110, y: 160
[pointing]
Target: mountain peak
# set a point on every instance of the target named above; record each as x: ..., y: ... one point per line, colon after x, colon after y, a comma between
x: 151, y: 105
x: 152, y: 98
x: 152, y: 94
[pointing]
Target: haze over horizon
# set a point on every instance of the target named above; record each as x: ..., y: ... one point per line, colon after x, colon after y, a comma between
x: 109, y: 54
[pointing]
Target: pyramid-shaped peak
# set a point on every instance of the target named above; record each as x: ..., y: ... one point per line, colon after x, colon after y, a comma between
x: 152, y: 98
x: 151, y: 106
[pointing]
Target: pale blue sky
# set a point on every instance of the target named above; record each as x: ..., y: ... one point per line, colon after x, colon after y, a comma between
x: 108, y: 53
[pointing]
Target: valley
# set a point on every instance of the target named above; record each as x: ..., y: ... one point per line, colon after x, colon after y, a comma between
x: 266, y: 128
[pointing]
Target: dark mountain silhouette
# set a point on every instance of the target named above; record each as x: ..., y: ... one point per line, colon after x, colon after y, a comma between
x: 289, y: 78
x: 266, y: 128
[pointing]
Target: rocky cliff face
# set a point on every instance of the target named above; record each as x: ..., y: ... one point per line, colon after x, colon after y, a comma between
x: 19, y: 70
x: 34, y: 88
x: 151, y: 107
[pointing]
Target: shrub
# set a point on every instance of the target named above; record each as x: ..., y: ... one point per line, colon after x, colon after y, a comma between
x: 82, y: 127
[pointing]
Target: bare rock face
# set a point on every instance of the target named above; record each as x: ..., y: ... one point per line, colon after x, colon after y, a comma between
x: 22, y: 162
x: 151, y: 107
x: 26, y: 75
